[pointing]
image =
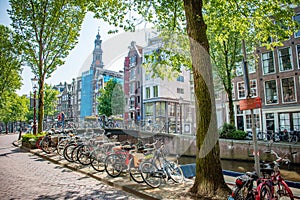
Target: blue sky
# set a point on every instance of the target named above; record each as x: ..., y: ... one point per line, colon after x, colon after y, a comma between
x: 76, y: 57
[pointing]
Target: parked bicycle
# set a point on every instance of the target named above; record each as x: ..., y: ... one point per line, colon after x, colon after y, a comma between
x: 158, y: 168
x: 270, y: 186
x: 127, y: 157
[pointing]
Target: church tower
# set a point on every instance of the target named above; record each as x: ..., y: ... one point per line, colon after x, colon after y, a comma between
x: 97, y: 53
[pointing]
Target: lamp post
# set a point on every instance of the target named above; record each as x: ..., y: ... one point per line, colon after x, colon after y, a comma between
x: 180, y: 107
x: 34, y: 82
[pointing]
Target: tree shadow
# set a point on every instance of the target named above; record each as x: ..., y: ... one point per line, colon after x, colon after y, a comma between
x: 110, y: 194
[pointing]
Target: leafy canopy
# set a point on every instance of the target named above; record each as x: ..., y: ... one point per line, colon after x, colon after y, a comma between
x: 111, y: 100
x: 10, y: 64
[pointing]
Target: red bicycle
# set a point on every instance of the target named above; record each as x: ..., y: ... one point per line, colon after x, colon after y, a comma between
x: 270, y: 186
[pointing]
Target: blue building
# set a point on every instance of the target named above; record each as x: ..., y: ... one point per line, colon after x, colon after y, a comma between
x: 91, y: 81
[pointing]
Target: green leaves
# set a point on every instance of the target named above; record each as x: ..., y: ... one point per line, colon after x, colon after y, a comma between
x: 10, y: 63
x: 50, y: 100
x: 46, y: 31
x: 13, y: 108
x: 111, y: 100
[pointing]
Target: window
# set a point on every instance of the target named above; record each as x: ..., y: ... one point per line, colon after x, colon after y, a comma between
x: 132, y: 74
x: 131, y: 88
x: 147, y: 92
x: 132, y: 60
x: 296, y: 121
x: 284, y: 121
x: 171, y: 109
x: 240, y: 67
x: 251, y: 66
x: 288, y: 90
x: 238, y: 110
x: 285, y: 59
x: 298, y: 55
x: 268, y: 63
x: 256, y: 120
x: 180, y: 90
x: 149, y: 109
x: 297, y: 18
x: 155, y: 91
x: 132, y: 102
x: 233, y: 91
x: 180, y: 78
x: 253, y: 88
x: 271, y: 92
x: 270, y: 122
x: 241, y: 90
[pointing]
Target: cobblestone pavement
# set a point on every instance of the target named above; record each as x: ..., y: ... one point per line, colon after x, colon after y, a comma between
x: 27, y: 176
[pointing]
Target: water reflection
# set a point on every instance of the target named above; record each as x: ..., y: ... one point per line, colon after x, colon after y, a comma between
x: 292, y: 174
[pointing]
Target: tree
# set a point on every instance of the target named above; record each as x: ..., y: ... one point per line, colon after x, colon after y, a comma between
x: 10, y: 64
x: 168, y: 15
x: 14, y: 109
x: 50, y: 100
x: 234, y: 21
x: 111, y: 99
x: 47, y: 31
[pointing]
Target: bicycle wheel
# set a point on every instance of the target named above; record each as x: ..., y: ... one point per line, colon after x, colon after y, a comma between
x: 74, y: 153
x: 68, y: 151
x: 294, y: 139
x: 98, y: 162
x: 136, y: 175
x: 237, y: 193
x: 60, y: 146
x: 114, y: 165
x: 284, y: 192
x: 150, y: 174
x: 265, y: 193
x: 83, y: 155
x: 38, y: 142
x: 174, y: 171
x: 47, y: 145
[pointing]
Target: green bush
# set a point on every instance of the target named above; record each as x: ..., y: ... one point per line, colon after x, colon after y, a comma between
x: 28, y: 137
x: 239, y: 135
x: 228, y: 131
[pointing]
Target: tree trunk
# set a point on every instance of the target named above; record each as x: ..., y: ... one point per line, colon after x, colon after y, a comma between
x: 209, y: 180
x: 41, y: 105
x: 230, y: 106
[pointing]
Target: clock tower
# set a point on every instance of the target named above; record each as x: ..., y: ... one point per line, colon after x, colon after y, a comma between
x: 97, y: 53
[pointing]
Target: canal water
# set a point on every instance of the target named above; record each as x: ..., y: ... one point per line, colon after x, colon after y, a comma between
x: 291, y: 174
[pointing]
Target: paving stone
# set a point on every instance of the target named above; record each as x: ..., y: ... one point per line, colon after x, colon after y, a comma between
x: 26, y: 176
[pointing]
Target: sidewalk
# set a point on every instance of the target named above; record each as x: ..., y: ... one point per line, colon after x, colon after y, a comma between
x: 167, y: 190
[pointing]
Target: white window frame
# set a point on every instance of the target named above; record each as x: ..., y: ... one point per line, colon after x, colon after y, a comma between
x: 280, y: 63
x: 265, y: 92
x: 238, y: 91
x: 262, y: 62
x: 298, y: 55
x: 155, y: 91
x: 251, y: 67
x: 147, y: 94
x: 295, y: 92
x: 253, y: 88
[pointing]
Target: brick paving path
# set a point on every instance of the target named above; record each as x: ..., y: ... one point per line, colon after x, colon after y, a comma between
x: 26, y: 176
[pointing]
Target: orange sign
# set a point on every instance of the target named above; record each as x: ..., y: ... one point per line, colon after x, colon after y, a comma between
x: 251, y: 103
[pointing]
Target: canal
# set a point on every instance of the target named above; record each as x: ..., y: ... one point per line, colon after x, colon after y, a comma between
x: 292, y: 173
